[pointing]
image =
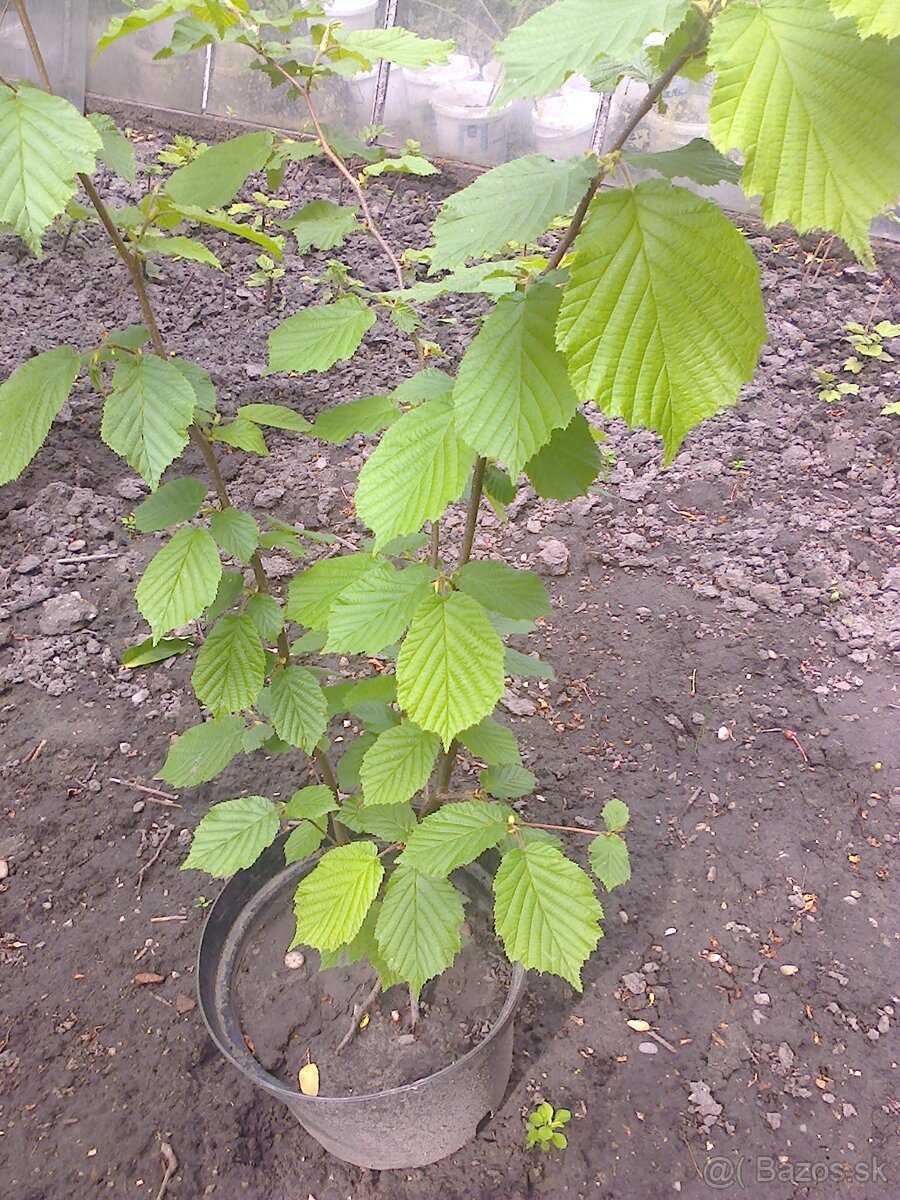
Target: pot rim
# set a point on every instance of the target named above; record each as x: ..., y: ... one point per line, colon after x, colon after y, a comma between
x: 241, y: 1058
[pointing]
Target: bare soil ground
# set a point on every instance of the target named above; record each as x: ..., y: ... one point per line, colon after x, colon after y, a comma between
x: 753, y: 588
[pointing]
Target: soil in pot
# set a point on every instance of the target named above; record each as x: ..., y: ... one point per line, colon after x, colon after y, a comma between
x: 287, y: 1013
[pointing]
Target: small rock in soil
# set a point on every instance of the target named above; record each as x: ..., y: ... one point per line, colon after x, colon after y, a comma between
x: 184, y: 1004
x: 648, y: 1048
x: 774, y: 1120
x: 65, y: 614
x: 294, y: 960
x: 147, y: 978
x: 28, y: 564
x: 129, y: 488
x: 635, y: 982
x: 554, y: 556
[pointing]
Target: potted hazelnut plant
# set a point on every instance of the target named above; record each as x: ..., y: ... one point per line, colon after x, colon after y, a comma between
x: 647, y: 306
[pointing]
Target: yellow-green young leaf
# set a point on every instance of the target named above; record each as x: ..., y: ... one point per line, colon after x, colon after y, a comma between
x: 398, y: 765
x: 277, y: 416
x: 662, y: 320
x: 874, y: 18
x: 331, y: 902
x: 504, y: 589
x: 204, y: 391
x: 512, y: 390
x: 615, y: 815
x: 375, y: 609
x: 147, y: 414
x: 815, y: 111
x: 180, y: 581
x: 513, y: 202
x: 508, y: 782
x: 313, y: 593
x: 387, y: 822
x: 219, y: 220
x: 394, y: 45
x: 232, y: 836
x: 304, y: 841
x: 371, y: 414
x: 212, y: 179
x: 117, y: 151
x: 363, y: 946
x: 120, y: 27
x: 311, y: 806
x: 418, y: 468
x: 44, y: 143
x: 455, y: 835
x: 202, y: 753
x: 179, y: 247
x: 317, y: 338
x: 546, y: 911
x: 418, y: 927
x: 569, y: 35
x: 322, y: 224
x: 29, y: 400
x: 569, y: 463
x: 609, y: 860
x: 231, y: 666
x: 450, y: 666
x: 236, y: 532
x: 174, y: 502
x: 243, y: 434
x: 492, y: 742
x: 149, y: 652
x: 298, y: 707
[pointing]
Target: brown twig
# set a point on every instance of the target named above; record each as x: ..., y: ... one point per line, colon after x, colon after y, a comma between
x: 170, y: 1163
x: 167, y: 833
x: 359, y: 1011
x: 153, y: 793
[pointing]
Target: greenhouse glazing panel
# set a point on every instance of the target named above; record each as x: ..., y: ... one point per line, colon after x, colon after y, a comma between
x: 60, y: 26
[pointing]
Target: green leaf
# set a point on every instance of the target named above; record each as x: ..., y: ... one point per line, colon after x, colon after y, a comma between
x: 147, y: 415
x: 219, y: 220
x: 426, y: 384
x: 298, y: 707
x: 874, y: 18
x: 149, y: 652
x: 255, y: 736
x: 498, y: 487
x: 546, y: 911
x: 455, y: 835
x: 44, y: 143
x: 450, y: 666
x: 514, y: 202
x: 204, y: 392
x: 394, y: 45
x: 232, y: 836
x: 698, y: 160
x: 418, y: 468
x: 276, y: 416
x: 213, y: 178
x: 313, y: 593
x: 526, y: 666
x: 351, y: 760
x: 180, y: 581
x: 236, y: 532
x: 203, y: 752
x: 609, y: 860
x: 370, y: 414
x: 29, y: 400
x: 387, y: 822
x: 363, y: 946
x: 331, y: 902
x: 303, y: 841
x: 513, y: 390
x: 231, y: 666
x: 318, y: 337
x: 243, y: 435
x: 504, y: 589
x: 508, y: 782
x: 418, y: 929
x: 662, y: 320
x: 491, y: 742
x: 403, y: 164
x: 117, y: 152
x: 374, y: 610
x: 120, y: 27
x: 309, y: 803
x: 805, y: 101
x: 231, y: 585
x: 174, y: 502
x: 569, y: 463
x: 179, y: 247
x: 265, y: 613
x: 322, y: 224
x: 398, y: 765
x: 567, y: 36
x: 615, y: 815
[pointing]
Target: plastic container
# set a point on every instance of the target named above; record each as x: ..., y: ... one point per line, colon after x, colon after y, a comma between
x: 353, y: 14
x: 402, y: 1128
x: 563, y: 124
x: 466, y: 127
x: 422, y: 84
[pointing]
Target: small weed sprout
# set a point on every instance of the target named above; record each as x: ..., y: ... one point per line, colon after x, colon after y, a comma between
x: 543, y: 1128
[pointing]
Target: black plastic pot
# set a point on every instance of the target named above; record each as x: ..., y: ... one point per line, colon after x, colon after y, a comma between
x: 403, y: 1127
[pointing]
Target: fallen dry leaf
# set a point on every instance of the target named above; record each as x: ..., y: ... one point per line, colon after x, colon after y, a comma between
x: 143, y: 978
x: 184, y: 1004
x: 638, y: 1026
x: 309, y: 1079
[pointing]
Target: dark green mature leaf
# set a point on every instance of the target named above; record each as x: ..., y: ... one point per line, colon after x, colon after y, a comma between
x: 398, y: 765
x: 29, y: 400
x: 265, y: 613
x: 232, y: 836
x: 310, y: 806
x: 203, y: 752
x: 508, y: 782
x: 504, y: 589
x: 609, y: 860
x: 491, y: 742
x: 316, y: 338
x: 546, y: 911
x: 513, y: 389
x: 698, y: 160
x: 455, y: 835
x: 180, y: 581
x: 147, y: 415
x: 213, y: 178
x: 650, y: 335
x: 236, y: 532
x: 370, y: 414
x: 298, y: 707
x: 351, y: 760
x: 569, y: 463
x: 150, y: 652
x: 418, y: 928
x: 231, y: 586
x: 450, y: 666
x: 313, y: 593
x: 231, y: 666
x: 44, y: 143
x: 322, y: 224
x: 526, y: 666
x: 375, y: 609
x: 304, y: 841
x: 513, y: 202
x: 204, y: 391
x: 331, y: 902
x: 172, y: 503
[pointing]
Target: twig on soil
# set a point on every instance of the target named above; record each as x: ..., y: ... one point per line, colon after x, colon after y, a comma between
x: 413, y: 1011
x: 359, y: 1011
x: 171, y: 1166
x: 657, y: 1037
x: 167, y: 833
x: 174, y: 917
x: 36, y: 752
x: 153, y: 793
x: 693, y: 1160
x: 85, y: 558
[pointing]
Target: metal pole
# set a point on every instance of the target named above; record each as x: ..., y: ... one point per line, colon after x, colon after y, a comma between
x: 384, y: 68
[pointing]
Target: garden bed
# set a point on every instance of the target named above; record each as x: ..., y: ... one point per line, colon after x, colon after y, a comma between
x: 752, y: 589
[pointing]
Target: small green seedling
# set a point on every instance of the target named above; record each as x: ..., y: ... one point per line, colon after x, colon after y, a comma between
x: 543, y: 1126
x: 867, y: 343
x: 203, y: 902
x: 831, y: 391
x: 181, y: 150
x: 266, y: 275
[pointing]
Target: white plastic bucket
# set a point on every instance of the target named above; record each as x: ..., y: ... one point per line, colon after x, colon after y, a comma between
x: 353, y: 14
x: 466, y: 127
x: 563, y: 124
x: 422, y: 84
